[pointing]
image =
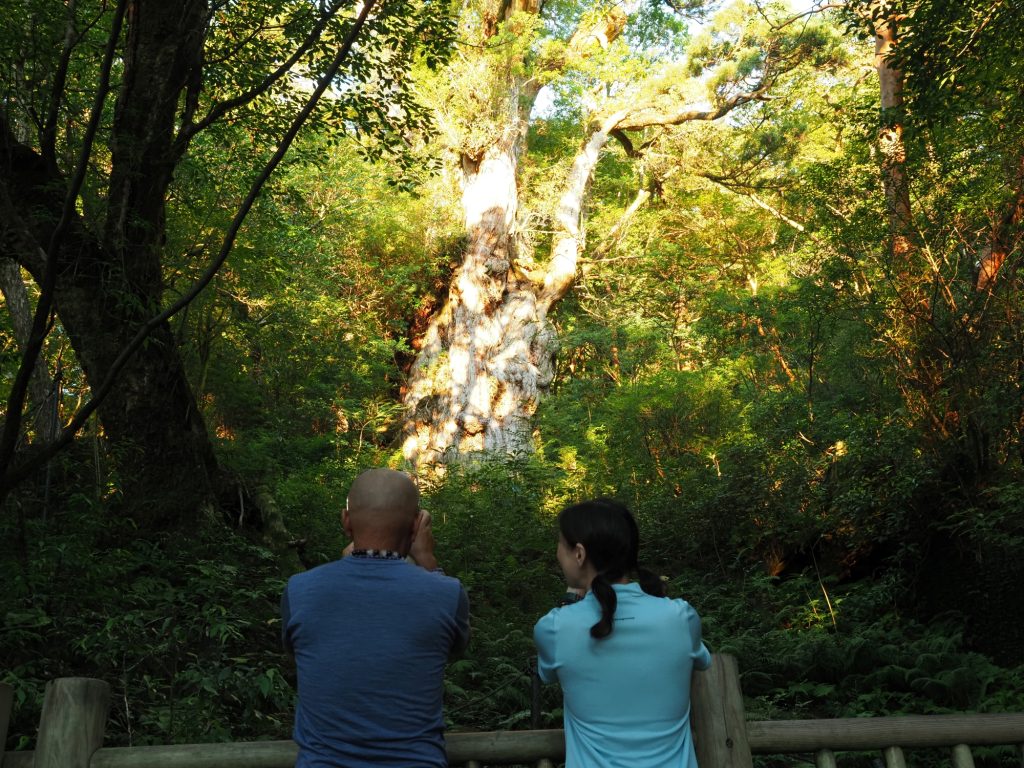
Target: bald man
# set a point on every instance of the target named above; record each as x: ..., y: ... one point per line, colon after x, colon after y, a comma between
x: 371, y: 633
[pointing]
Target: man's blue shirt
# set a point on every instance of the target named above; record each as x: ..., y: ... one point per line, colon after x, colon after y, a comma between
x: 626, y: 696
x: 370, y: 639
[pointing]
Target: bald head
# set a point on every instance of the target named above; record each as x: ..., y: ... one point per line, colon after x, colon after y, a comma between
x: 382, y: 508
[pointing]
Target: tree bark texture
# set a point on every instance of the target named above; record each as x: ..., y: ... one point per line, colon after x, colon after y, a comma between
x: 488, y: 354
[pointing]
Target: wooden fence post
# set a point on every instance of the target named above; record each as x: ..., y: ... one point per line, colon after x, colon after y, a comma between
x: 962, y: 757
x: 717, y: 717
x: 6, y: 705
x: 894, y: 757
x: 72, y: 723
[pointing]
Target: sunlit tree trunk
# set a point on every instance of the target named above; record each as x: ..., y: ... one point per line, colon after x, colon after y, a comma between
x: 920, y: 362
x: 1006, y: 234
x: 932, y: 353
x: 487, y: 355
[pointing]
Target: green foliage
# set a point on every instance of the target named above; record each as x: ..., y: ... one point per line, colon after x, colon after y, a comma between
x: 741, y: 368
x: 296, y: 357
x: 958, y: 55
x: 510, y: 581
x: 183, y: 628
x: 807, y: 649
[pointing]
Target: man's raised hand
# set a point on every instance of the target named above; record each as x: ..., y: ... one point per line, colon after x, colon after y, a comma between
x: 422, y: 549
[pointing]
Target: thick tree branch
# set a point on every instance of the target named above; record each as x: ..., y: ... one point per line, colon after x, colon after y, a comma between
x: 568, y: 241
x: 585, y: 41
x: 647, y: 117
x: 48, y: 137
x: 17, y: 242
x: 627, y: 145
x: 42, y: 392
x: 602, y: 33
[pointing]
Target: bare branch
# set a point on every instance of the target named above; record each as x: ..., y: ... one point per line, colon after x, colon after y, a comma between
x: 777, y: 213
x: 793, y: 19
x: 618, y: 231
x: 756, y: 200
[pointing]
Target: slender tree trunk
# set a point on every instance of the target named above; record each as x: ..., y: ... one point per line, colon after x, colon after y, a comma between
x: 1006, y: 234
x: 42, y: 394
x: 891, y: 146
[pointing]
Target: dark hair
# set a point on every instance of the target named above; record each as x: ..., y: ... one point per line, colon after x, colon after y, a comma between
x: 608, y: 533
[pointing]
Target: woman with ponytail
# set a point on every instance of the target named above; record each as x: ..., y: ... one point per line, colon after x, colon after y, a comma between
x: 623, y: 653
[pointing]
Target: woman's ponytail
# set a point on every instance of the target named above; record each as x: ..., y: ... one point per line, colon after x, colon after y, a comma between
x: 649, y: 582
x: 608, y: 600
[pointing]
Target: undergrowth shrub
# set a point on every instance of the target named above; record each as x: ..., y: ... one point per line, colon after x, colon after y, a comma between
x: 496, y: 532
x: 808, y: 647
x: 183, y: 626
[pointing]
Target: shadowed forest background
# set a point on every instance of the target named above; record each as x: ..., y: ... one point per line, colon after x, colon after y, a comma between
x: 752, y: 269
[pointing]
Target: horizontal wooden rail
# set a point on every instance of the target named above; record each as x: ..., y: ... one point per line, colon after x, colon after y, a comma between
x: 75, y: 712
x: 776, y: 736
x: 506, y: 747
x: 491, y: 747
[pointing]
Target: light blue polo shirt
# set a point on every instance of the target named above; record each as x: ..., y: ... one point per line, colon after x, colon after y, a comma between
x: 626, y: 696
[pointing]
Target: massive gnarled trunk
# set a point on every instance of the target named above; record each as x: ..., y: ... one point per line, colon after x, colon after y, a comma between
x: 488, y: 356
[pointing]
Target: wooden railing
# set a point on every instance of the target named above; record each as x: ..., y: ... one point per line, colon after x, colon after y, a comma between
x: 75, y: 713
